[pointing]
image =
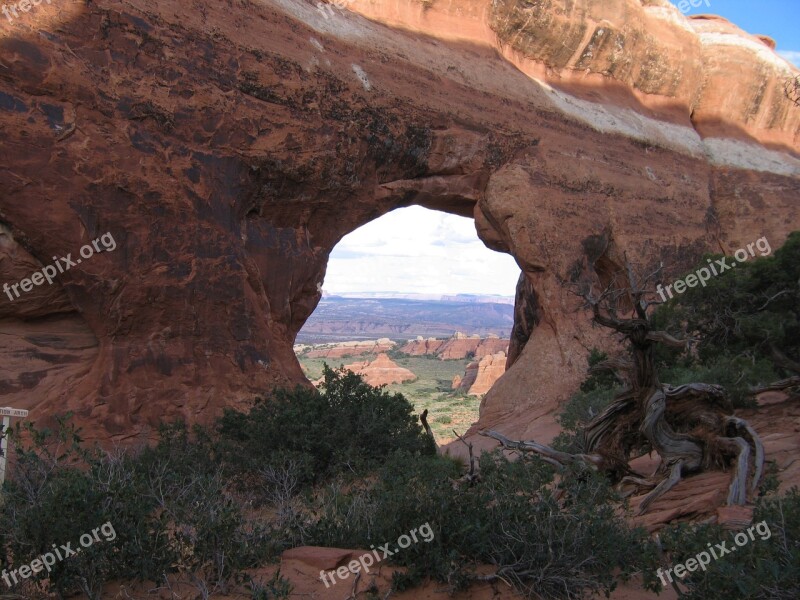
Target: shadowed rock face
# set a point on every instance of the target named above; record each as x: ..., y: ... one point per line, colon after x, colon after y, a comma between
x: 228, y: 149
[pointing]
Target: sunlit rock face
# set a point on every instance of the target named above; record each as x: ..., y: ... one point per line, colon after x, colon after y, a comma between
x: 481, y: 375
x: 227, y: 149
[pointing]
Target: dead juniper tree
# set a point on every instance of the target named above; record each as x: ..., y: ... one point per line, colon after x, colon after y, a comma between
x: 691, y: 427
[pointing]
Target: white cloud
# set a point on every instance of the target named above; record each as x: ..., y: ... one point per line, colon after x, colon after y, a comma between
x: 416, y: 250
x: 793, y: 56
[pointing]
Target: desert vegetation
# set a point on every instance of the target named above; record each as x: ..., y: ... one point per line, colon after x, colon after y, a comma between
x: 350, y: 465
x: 431, y: 390
x: 746, y: 325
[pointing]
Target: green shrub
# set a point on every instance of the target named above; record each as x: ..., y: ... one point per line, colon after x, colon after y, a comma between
x: 600, y: 379
x: 764, y: 568
x: 276, y: 588
x: 746, y: 320
x: 168, y: 507
x: 346, y: 427
x: 734, y: 373
x: 555, y: 541
x: 210, y: 540
x: 58, y: 492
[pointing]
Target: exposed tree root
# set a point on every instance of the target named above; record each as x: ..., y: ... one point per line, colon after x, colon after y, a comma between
x: 758, y: 468
x: 662, y: 488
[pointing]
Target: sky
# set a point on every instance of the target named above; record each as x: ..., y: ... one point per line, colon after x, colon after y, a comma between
x: 779, y: 19
x: 415, y: 250
x: 421, y: 251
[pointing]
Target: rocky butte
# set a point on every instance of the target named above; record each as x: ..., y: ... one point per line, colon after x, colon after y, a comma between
x: 381, y: 371
x: 229, y: 147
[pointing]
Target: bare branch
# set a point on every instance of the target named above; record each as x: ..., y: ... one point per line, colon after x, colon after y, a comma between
x: 470, y: 477
x: 554, y: 457
x: 424, y: 419
x: 662, y: 337
x: 777, y: 386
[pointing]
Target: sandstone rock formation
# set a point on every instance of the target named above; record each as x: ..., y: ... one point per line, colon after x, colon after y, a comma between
x: 462, y: 346
x: 459, y: 346
x: 422, y: 346
x: 381, y: 371
x: 481, y: 375
x: 228, y: 149
x: 356, y: 348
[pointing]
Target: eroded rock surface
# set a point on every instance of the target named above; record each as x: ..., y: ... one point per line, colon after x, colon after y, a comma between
x: 229, y: 148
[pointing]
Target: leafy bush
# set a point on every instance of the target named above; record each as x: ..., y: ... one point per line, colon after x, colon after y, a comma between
x: 554, y: 540
x: 277, y: 588
x: 746, y: 320
x: 734, y: 373
x: 59, y: 492
x: 209, y: 538
x: 168, y: 506
x: 764, y: 568
x: 346, y: 427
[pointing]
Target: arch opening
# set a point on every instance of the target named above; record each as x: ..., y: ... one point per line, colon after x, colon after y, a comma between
x: 414, y: 300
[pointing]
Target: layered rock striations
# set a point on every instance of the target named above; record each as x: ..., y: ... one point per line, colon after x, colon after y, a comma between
x: 229, y: 148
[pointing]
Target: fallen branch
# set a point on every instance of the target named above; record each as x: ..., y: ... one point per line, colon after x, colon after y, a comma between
x: 777, y: 386
x: 546, y: 453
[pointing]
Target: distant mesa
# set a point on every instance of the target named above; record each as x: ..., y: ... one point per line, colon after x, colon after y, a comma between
x: 458, y: 347
x: 343, y: 319
x: 481, y: 374
x: 381, y: 371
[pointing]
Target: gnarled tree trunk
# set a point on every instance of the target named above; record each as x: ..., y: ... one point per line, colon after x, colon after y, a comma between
x: 691, y: 427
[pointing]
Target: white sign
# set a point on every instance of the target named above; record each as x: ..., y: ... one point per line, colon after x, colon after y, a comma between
x: 13, y: 412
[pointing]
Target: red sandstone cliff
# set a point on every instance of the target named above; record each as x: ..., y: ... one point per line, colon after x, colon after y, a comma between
x: 228, y: 149
x: 422, y: 346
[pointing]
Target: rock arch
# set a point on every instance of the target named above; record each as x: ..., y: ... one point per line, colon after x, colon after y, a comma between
x: 227, y: 164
